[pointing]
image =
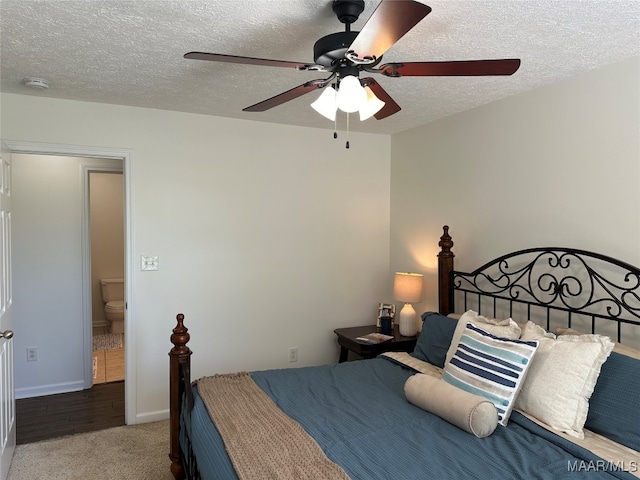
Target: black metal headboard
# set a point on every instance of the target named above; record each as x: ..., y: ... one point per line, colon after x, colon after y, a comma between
x: 557, y: 286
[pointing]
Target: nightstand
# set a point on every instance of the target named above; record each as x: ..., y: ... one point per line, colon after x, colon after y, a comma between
x: 347, y: 340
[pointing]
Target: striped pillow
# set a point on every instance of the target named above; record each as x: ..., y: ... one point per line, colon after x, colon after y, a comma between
x: 490, y: 366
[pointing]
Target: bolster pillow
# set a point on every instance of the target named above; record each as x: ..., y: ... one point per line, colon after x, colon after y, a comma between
x: 472, y: 413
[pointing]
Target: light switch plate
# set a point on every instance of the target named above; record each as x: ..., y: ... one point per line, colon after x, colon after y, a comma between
x: 149, y: 262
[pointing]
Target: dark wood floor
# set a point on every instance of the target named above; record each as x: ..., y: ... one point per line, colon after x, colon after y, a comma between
x: 97, y: 408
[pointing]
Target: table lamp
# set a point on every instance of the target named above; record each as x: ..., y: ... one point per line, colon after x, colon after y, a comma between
x: 407, y: 287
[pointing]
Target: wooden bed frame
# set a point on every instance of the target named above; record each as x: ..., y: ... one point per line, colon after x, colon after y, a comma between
x: 559, y: 286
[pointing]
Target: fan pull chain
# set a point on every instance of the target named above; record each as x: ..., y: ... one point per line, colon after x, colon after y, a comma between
x: 335, y: 127
x: 347, y: 144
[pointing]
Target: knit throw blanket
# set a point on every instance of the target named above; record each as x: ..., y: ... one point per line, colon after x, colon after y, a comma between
x: 261, y: 440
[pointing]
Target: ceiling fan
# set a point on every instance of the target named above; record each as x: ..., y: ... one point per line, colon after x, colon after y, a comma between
x: 346, y: 54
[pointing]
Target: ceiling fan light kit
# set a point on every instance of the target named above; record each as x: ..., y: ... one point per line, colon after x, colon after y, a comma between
x: 329, y: 102
x: 352, y: 96
x: 345, y: 54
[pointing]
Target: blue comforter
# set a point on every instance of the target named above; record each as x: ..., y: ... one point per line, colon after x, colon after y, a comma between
x: 358, y: 414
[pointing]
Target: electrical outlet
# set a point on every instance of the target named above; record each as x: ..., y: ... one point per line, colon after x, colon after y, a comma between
x: 32, y: 354
x: 293, y: 354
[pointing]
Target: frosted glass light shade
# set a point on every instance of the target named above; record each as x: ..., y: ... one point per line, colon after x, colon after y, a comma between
x: 407, y: 287
x: 351, y: 96
x: 371, y: 106
x: 326, y: 104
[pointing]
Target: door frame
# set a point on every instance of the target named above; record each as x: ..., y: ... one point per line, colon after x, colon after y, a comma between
x: 126, y: 155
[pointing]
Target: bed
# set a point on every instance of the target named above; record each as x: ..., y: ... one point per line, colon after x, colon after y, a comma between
x: 566, y: 325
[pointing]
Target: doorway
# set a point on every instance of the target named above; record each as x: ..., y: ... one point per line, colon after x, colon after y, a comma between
x: 104, y: 202
x: 53, y: 261
x: 90, y: 158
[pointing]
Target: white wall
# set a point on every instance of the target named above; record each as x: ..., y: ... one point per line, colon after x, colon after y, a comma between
x: 558, y: 165
x: 268, y: 236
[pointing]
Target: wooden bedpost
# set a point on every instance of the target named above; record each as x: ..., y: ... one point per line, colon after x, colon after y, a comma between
x: 445, y: 269
x: 179, y: 373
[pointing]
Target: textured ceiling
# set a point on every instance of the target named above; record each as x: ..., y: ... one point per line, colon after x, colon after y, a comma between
x: 131, y: 52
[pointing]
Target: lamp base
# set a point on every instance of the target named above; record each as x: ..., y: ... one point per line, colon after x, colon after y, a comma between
x: 407, y: 321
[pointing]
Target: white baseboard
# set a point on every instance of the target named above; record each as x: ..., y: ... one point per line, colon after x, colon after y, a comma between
x: 52, y: 389
x: 149, y: 417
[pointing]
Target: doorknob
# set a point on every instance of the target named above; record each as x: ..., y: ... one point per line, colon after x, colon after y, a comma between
x: 7, y: 334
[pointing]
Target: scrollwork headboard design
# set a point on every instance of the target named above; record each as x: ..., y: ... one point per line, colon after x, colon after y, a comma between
x: 556, y: 285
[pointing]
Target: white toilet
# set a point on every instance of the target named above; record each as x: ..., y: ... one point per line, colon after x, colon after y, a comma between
x: 113, y: 297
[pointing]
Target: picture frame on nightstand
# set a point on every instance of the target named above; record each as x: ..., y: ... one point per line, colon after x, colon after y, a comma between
x: 386, y: 310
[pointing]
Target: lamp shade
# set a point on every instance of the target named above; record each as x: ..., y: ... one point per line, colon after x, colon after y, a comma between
x: 351, y: 95
x: 371, y: 106
x: 407, y: 287
x: 326, y: 104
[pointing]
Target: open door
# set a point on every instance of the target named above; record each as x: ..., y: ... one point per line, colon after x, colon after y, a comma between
x: 7, y: 388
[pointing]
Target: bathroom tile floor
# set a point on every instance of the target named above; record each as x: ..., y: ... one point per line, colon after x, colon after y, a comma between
x: 50, y: 416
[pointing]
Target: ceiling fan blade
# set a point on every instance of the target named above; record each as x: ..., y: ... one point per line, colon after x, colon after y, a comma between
x: 218, y: 57
x: 285, y: 96
x: 390, y: 105
x: 452, y: 68
x: 388, y: 24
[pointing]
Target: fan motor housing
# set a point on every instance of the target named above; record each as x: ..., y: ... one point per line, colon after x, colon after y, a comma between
x: 330, y: 50
x: 348, y: 11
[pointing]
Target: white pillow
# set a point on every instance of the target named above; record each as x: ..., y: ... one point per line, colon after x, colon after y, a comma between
x: 561, y: 378
x: 532, y: 331
x: 617, y: 347
x: 506, y: 328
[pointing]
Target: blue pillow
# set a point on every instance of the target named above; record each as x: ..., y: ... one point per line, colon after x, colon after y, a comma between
x: 614, y: 406
x: 435, y: 338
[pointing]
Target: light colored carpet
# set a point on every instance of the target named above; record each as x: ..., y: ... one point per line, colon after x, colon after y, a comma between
x: 134, y: 452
